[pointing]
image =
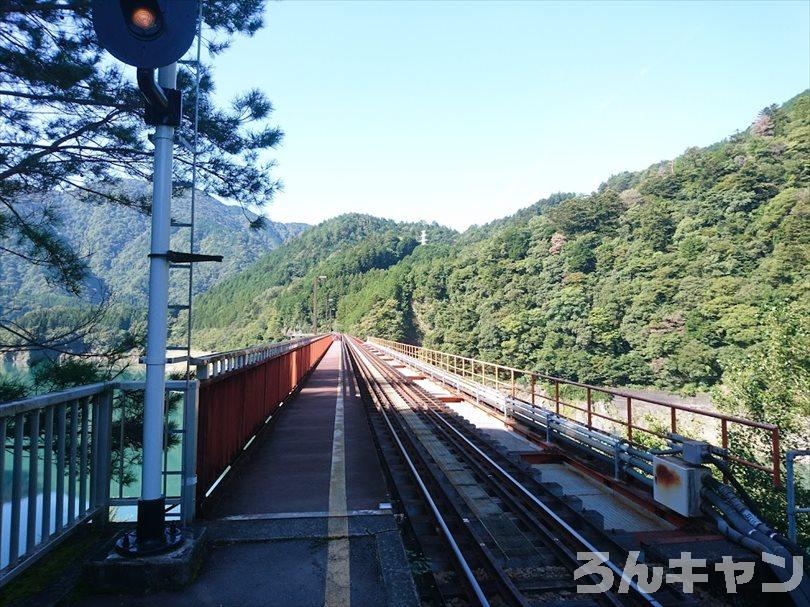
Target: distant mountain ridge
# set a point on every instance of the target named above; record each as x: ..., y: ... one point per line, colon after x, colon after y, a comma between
x: 115, y: 242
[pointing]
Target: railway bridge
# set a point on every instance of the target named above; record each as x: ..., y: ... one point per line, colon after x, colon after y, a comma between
x: 327, y: 470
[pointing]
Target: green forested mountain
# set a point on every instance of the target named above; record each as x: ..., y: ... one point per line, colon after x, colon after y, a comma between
x: 273, y: 295
x: 114, y: 242
x: 661, y: 277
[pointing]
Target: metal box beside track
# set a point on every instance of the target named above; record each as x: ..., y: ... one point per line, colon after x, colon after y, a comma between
x: 677, y: 484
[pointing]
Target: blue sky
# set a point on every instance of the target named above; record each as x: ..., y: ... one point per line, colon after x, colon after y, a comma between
x: 463, y: 112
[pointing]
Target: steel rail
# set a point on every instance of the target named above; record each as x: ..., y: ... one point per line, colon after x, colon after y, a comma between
x: 551, y: 542
x: 550, y: 539
x: 460, y: 560
x: 548, y: 511
x: 584, y: 542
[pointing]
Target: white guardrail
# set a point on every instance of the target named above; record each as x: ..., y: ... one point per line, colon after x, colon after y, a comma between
x: 74, y: 456
x: 71, y: 454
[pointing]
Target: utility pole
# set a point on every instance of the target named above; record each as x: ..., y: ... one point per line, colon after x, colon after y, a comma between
x: 315, y: 304
x: 315, y: 307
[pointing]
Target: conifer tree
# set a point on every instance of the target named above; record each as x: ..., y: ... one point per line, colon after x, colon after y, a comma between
x: 71, y: 121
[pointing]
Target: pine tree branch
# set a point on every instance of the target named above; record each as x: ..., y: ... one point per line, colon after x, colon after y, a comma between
x: 54, y: 147
x: 65, y: 99
x: 37, y: 7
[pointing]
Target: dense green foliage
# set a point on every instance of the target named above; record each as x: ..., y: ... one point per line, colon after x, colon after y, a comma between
x: 772, y: 384
x: 71, y: 124
x: 114, y: 244
x: 71, y: 121
x: 274, y: 295
x: 661, y: 277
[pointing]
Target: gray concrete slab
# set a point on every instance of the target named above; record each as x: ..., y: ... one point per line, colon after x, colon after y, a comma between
x: 283, y: 562
x: 618, y: 512
x: 494, y: 428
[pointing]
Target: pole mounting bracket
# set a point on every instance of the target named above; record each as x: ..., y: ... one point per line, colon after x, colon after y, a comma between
x: 182, y: 257
x: 163, y: 106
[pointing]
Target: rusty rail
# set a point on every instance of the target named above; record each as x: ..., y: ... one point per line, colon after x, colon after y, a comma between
x: 527, y: 386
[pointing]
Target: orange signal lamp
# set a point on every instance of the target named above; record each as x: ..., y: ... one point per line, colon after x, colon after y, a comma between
x: 143, y: 18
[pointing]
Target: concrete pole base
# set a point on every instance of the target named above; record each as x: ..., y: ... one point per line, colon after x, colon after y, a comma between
x: 171, y: 570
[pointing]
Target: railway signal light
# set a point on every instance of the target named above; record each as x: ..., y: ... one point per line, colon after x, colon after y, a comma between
x: 145, y: 20
x: 146, y: 33
x: 152, y: 35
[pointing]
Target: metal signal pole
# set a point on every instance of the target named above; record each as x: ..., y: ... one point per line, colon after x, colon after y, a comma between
x: 150, y: 35
x: 151, y: 506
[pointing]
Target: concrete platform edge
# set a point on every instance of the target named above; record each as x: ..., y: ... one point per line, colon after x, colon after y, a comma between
x: 396, y: 571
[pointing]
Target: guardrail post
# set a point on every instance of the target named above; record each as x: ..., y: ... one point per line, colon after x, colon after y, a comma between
x: 557, y: 395
x: 16, y: 490
x: 629, y: 419
x: 533, y: 382
x: 791, y: 496
x: 33, y: 478
x: 512, y: 371
x: 47, y: 474
x: 3, y: 429
x: 617, y: 462
x: 590, y: 407
x: 188, y: 489
x: 103, y: 461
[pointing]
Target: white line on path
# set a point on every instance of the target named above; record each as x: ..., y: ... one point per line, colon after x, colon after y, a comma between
x: 338, y: 579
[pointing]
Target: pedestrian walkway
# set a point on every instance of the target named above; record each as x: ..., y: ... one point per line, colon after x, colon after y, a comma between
x: 304, y: 519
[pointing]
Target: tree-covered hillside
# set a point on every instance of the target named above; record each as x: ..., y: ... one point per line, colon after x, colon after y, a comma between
x: 661, y: 277
x: 114, y: 243
x: 273, y: 296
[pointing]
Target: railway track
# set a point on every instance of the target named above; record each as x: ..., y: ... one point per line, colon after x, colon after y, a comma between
x: 487, y: 531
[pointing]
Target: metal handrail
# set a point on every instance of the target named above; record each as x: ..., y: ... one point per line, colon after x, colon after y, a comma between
x: 61, y: 447
x: 239, y: 401
x: 61, y: 444
x: 212, y: 365
x: 52, y: 398
x: 502, y: 375
x: 67, y: 439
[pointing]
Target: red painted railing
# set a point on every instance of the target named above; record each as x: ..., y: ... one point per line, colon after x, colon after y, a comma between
x: 236, y: 403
